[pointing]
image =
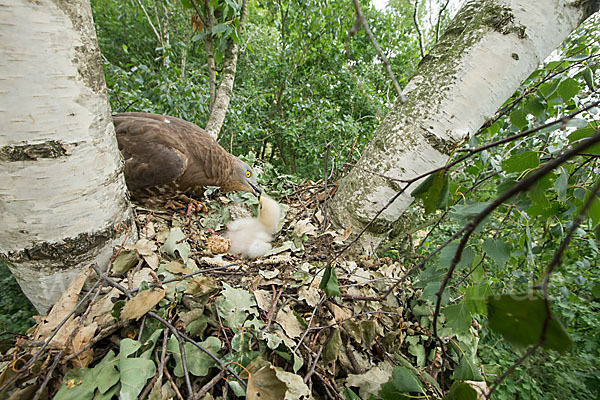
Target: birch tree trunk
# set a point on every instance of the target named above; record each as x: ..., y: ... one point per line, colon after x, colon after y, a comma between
x: 488, y: 50
x: 223, y: 95
x: 62, y: 194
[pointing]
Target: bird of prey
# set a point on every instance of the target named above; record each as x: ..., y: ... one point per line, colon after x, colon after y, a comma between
x: 167, y: 156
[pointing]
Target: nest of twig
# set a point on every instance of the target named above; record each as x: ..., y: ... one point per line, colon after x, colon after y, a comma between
x: 171, y: 319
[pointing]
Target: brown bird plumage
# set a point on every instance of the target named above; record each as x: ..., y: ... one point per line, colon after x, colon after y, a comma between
x: 167, y: 155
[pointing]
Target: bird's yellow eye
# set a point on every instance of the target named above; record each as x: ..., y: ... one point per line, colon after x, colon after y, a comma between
x: 248, y: 174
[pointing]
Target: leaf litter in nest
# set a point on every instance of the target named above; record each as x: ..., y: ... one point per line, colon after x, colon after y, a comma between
x: 267, y: 382
x: 298, y: 273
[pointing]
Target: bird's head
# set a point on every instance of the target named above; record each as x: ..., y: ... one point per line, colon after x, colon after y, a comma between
x: 269, y: 214
x: 244, y: 178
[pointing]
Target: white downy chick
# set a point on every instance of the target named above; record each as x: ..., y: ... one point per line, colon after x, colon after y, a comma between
x: 251, y: 237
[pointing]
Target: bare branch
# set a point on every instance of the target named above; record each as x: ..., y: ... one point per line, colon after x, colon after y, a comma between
x: 158, y: 36
x: 360, y: 20
x: 416, y: 22
x: 439, y: 20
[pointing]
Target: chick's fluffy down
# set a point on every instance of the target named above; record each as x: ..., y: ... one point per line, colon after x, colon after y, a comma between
x: 251, y: 237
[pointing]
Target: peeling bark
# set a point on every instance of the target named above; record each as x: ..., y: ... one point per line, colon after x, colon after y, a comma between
x: 485, y: 54
x: 62, y: 195
x: 223, y: 95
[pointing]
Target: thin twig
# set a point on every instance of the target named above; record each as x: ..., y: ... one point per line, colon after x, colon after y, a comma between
x: 419, y: 36
x: 312, y: 317
x: 173, y: 385
x: 49, y: 339
x: 512, y: 368
x: 221, y: 326
x: 66, y: 346
x: 439, y: 20
x: 311, y: 370
x: 159, y: 371
x: 158, y: 36
x: 360, y: 19
x: 324, y: 225
x: 272, y: 309
x: 174, y: 330
x: 186, y: 373
x: 209, y: 385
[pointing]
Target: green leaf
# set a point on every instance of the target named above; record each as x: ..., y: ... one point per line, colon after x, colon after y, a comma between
x: 548, y: 89
x: 458, y: 317
x: 497, y: 251
x: 568, y: 88
x: 81, y: 383
x: 583, y: 133
x: 596, y: 291
x: 461, y: 391
x: 389, y: 392
x: 78, y: 384
x: 405, y: 381
x: 468, y: 211
x: 588, y: 76
x: 197, y: 361
x: 198, y: 36
x: 124, y: 261
x: 350, y: 395
x: 332, y: 349
x: 417, y: 349
x: 561, y: 184
x: 448, y: 252
x: 220, y: 28
x: 476, y: 298
x: 235, y: 306
x: 109, y: 394
x: 176, y: 244
x: 519, y: 118
x: 540, y: 204
x: 433, y: 191
x: 594, y: 210
x: 107, y: 374
x: 536, y: 107
x: 521, y: 162
x: 520, y: 320
x: 329, y: 283
x: 134, y: 371
x: 466, y: 371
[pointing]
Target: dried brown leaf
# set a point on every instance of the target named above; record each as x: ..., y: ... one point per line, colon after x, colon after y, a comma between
x: 67, y: 302
x: 142, y: 303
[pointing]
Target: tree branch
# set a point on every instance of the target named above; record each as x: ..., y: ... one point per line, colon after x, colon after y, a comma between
x: 360, y: 20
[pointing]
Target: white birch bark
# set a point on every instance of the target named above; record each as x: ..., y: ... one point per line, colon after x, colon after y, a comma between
x: 218, y: 108
x: 62, y: 192
x: 489, y: 49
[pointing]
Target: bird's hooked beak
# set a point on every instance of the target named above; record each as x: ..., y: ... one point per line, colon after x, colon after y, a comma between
x: 257, y: 191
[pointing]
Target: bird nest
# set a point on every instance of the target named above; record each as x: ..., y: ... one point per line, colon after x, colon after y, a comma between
x: 173, y: 317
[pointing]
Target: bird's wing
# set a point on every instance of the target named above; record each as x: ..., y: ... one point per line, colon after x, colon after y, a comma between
x: 158, y: 144
x: 151, y: 159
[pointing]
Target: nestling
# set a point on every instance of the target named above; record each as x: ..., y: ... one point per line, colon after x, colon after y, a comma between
x: 251, y: 237
x: 169, y: 156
